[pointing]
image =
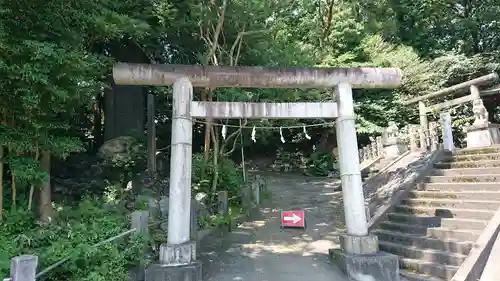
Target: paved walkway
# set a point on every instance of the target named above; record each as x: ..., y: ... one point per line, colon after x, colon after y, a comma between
x: 260, y: 251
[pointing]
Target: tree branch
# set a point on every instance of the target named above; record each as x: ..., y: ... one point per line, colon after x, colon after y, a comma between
x: 238, y: 41
x: 218, y: 28
x: 329, y: 19
x: 232, y: 135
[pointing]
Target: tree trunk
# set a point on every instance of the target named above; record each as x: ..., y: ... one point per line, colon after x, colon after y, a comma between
x: 98, y: 110
x: 215, y: 163
x: 32, y: 186
x: 1, y: 181
x: 46, y: 211
x: 14, y: 189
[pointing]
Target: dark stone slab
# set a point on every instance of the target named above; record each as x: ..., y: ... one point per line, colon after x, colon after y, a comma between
x: 380, y: 266
x: 163, y: 272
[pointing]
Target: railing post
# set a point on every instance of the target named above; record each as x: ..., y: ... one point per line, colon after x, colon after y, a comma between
x: 413, y: 132
x: 361, y: 155
x: 380, y: 146
x: 366, y: 153
x: 23, y: 268
x: 140, y: 222
x: 445, y: 120
x: 246, y: 197
x: 424, y: 125
x: 434, y: 137
x: 223, y: 205
x: 369, y: 152
x: 374, y: 147
x: 256, y: 192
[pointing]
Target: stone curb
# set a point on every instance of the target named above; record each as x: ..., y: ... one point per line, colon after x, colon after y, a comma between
x: 402, y: 190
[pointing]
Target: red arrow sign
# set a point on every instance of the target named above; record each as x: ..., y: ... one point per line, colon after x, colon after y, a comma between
x: 293, y: 219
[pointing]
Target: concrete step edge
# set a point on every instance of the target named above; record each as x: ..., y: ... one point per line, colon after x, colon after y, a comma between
x: 452, y: 200
x: 414, y: 236
x: 447, y: 270
x: 433, y: 228
x: 490, y: 153
x: 465, y: 176
x: 471, y: 161
x: 478, y: 150
x: 456, y: 191
x: 413, y: 276
x: 452, y: 267
x: 470, y: 169
x: 447, y: 219
x: 451, y: 209
x: 460, y: 183
x: 427, y: 250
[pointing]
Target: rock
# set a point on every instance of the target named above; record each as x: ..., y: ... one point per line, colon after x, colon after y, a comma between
x: 151, y: 202
x: 120, y: 149
x: 196, y: 207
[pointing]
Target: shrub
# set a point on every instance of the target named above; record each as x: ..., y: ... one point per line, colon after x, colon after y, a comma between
x: 320, y: 163
x: 72, y: 234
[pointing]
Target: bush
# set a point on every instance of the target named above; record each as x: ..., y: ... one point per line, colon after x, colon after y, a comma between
x: 230, y: 175
x: 320, y: 163
x: 74, y: 232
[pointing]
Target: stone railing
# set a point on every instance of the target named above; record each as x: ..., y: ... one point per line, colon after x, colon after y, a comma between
x: 372, y: 151
x: 392, y: 143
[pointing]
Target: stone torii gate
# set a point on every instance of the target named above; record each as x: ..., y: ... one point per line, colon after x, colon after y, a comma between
x: 478, y: 133
x: 178, y: 257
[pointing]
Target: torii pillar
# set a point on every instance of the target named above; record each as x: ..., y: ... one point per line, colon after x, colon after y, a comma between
x: 360, y: 257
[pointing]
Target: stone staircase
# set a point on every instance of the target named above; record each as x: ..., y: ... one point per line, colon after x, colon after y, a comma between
x: 435, y: 227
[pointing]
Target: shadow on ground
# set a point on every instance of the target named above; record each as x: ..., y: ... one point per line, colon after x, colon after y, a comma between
x: 260, y: 250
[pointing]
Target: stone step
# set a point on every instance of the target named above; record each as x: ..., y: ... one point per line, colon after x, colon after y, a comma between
x: 433, y: 221
x: 413, y: 276
x: 462, y: 186
x: 468, y: 164
x: 435, y: 232
x: 471, y: 157
x: 434, y: 269
x: 482, y: 150
x: 446, y: 213
x: 460, y: 195
x: 466, y: 171
x: 453, y: 203
x: 476, y: 178
x: 429, y: 255
x: 452, y: 246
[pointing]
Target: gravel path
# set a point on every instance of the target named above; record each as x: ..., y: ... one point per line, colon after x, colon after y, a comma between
x: 260, y: 251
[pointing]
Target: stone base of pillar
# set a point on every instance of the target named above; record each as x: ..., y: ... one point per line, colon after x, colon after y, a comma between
x: 177, y: 263
x: 393, y: 147
x: 165, y: 272
x: 360, y: 259
x: 482, y: 135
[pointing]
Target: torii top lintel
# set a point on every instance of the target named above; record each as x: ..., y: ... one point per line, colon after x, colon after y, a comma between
x: 255, y: 77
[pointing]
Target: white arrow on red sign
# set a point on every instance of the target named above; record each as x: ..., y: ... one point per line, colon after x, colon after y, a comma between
x: 294, y: 218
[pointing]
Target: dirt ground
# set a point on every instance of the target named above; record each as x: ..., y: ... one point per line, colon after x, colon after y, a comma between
x: 260, y: 250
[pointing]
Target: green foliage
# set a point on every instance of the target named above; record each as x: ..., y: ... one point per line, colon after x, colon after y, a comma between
x: 73, y: 235
x: 230, y: 175
x: 57, y: 58
x: 289, y: 160
x: 320, y: 163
